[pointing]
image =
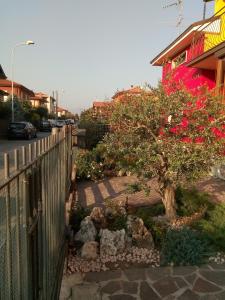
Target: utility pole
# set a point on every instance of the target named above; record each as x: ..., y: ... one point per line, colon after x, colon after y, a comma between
x: 204, y: 10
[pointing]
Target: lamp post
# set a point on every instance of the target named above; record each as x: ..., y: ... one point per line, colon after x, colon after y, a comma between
x: 27, y: 43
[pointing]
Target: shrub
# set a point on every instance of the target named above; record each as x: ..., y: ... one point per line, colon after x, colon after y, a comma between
x: 157, y: 229
x: 87, y: 167
x: 184, y: 247
x: 118, y: 223
x: 77, y: 216
x: 152, y: 211
x: 214, y: 227
x: 191, y: 201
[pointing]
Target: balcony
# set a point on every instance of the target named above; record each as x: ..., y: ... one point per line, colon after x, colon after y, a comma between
x: 207, y: 40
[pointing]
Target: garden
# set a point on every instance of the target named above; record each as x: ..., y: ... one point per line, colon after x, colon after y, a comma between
x: 164, y: 137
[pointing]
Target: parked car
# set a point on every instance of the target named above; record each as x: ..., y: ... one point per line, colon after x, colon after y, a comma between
x: 45, y: 126
x: 22, y: 130
x: 60, y: 123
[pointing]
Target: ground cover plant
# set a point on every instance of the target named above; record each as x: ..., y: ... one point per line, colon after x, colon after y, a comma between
x: 164, y: 136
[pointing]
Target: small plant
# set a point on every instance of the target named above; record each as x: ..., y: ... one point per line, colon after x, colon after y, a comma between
x: 214, y: 227
x: 184, y: 247
x: 77, y: 216
x: 191, y: 201
x: 87, y: 166
x: 118, y: 223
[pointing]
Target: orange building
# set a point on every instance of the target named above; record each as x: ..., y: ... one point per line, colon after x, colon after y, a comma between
x: 39, y: 100
x: 20, y: 91
x: 125, y: 94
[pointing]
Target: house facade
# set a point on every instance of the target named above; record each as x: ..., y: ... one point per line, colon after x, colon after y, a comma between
x: 20, y: 91
x: 196, y: 58
x: 39, y: 100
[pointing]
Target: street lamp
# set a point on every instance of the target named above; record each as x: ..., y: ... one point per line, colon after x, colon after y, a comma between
x: 26, y: 43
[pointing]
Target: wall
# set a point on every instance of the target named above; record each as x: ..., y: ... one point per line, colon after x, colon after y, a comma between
x: 191, y: 78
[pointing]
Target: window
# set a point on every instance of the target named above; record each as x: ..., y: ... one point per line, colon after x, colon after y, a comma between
x: 180, y: 59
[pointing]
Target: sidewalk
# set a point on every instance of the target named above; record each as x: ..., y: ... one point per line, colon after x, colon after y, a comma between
x: 92, y: 194
x: 183, y: 283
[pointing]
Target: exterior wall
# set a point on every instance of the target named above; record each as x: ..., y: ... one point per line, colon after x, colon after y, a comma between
x: 191, y: 78
x: 18, y: 91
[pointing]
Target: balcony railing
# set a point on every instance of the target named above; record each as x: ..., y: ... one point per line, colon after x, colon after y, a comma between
x: 208, y: 35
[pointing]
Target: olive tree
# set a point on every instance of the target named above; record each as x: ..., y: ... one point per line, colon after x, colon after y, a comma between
x: 173, y: 138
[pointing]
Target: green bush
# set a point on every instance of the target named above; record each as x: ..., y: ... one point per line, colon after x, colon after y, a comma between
x: 77, y: 216
x: 213, y: 226
x: 87, y: 166
x: 157, y: 229
x: 118, y: 223
x: 151, y: 211
x: 191, y: 201
x: 184, y: 247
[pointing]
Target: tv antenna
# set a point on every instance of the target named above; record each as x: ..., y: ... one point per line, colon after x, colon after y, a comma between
x: 180, y: 6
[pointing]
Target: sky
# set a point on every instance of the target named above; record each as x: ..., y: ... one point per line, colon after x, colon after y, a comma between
x: 89, y: 49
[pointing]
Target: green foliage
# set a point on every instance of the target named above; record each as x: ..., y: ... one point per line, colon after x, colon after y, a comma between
x: 87, y: 165
x: 151, y: 211
x: 213, y: 226
x: 158, y: 229
x: 164, y: 135
x: 96, y: 128
x: 5, y: 110
x: 77, y: 216
x: 134, y: 188
x: 118, y: 223
x: 184, y: 247
x: 190, y: 201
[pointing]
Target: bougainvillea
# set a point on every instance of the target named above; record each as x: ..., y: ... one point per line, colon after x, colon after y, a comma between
x: 175, y: 137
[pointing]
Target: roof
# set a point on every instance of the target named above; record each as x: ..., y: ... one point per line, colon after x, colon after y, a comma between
x: 100, y: 103
x: 61, y: 109
x: 2, y: 73
x: 180, y: 42
x: 3, y: 93
x: 8, y: 83
x: 133, y: 91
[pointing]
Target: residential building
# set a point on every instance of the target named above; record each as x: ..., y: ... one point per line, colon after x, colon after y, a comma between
x: 196, y: 58
x: 2, y: 73
x: 20, y: 91
x: 125, y: 94
x: 101, y: 108
x: 3, y: 96
x: 39, y: 100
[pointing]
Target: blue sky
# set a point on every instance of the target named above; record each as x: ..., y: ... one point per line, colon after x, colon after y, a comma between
x: 89, y: 48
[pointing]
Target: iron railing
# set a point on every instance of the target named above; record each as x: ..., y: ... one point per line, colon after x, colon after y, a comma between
x: 32, y: 218
x: 208, y: 35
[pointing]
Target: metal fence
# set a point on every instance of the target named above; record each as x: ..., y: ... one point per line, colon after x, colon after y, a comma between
x: 32, y: 218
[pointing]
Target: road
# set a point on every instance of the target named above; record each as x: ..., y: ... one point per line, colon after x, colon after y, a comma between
x: 8, y: 146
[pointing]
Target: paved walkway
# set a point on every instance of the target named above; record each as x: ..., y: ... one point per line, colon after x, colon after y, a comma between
x: 183, y: 283
x: 92, y: 194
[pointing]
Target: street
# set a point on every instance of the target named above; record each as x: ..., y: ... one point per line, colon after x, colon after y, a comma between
x: 8, y: 146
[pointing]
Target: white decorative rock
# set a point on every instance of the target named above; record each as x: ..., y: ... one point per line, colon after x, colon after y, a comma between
x: 112, y: 242
x: 89, y: 250
x: 87, y: 232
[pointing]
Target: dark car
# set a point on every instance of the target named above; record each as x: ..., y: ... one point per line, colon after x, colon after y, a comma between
x: 45, y: 126
x: 22, y: 130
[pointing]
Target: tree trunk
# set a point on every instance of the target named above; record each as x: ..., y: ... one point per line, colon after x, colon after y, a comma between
x: 169, y: 202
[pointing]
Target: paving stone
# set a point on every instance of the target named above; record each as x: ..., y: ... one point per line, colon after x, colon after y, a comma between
x: 170, y: 297
x: 180, y: 282
x: 188, y: 295
x: 111, y: 287
x: 157, y: 273
x: 129, y: 287
x: 217, y: 277
x: 216, y: 266
x: 86, y: 292
x: 67, y: 283
x: 191, y: 278
x: 147, y: 293
x: 122, y: 297
x: 135, y: 274
x: 102, y: 276
x: 203, y: 286
x: 165, y: 286
x: 182, y: 271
